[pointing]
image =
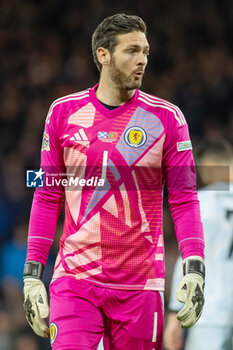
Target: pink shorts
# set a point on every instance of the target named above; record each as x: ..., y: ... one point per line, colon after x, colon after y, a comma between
x: 82, y: 313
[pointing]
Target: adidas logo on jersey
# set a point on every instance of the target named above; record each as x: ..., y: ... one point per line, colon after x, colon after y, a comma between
x: 79, y: 136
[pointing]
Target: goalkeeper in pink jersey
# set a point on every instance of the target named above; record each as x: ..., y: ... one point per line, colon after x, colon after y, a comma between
x: 117, y: 146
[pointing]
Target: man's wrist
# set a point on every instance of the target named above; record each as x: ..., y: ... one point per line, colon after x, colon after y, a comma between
x: 33, y: 269
x: 194, y: 264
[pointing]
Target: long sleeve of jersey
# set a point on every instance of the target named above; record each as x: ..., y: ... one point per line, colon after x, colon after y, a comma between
x: 47, y: 201
x: 180, y: 179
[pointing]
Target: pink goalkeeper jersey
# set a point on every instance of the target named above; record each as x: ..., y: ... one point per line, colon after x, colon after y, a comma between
x: 113, y: 233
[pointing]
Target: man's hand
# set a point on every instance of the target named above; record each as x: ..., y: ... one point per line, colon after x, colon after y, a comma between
x: 191, y: 291
x: 36, y: 303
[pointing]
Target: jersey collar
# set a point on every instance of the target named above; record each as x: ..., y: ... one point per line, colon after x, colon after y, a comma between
x: 115, y: 112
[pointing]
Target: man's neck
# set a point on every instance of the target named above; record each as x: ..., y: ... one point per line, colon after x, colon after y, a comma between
x: 110, y: 94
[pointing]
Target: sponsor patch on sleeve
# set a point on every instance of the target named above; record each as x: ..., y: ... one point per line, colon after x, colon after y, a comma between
x: 184, y: 146
x: 45, y: 142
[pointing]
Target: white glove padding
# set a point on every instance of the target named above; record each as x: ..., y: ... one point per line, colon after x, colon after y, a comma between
x: 191, y: 292
x: 36, y: 305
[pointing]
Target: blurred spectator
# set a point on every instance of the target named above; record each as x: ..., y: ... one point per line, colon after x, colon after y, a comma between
x: 25, y: 341
x: 5, y: 330
x: 13, y: 255
x: 14, y: 200
x: 13, y: 324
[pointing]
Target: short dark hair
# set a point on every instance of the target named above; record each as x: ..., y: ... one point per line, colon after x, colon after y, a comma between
x: 106, y: 32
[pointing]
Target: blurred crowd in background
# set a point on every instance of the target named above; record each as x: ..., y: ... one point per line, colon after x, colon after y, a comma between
x: 45, y: 54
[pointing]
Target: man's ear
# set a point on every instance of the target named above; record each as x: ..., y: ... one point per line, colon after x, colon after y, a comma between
x: 103, y: 56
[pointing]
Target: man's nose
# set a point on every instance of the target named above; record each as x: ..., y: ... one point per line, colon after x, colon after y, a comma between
x: 142, y: 59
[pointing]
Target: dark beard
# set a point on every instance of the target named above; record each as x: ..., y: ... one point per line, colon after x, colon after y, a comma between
x: 122, y: 80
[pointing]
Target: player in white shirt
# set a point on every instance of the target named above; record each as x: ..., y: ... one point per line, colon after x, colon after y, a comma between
x: 215, y: 328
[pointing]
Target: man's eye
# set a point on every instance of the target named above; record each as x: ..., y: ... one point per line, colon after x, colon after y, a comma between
x: 146, y: 53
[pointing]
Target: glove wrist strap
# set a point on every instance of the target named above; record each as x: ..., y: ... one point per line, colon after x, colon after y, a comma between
x: 33, y: 269
x: 194, y: 266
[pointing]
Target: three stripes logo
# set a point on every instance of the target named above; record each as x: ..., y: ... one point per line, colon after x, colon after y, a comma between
x: 80, y: 135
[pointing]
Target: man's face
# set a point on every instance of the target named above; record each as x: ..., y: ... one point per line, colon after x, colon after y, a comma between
x: 129, y: 59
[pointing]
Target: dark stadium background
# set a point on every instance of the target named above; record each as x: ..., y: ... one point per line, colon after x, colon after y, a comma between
x: 45, y: 54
